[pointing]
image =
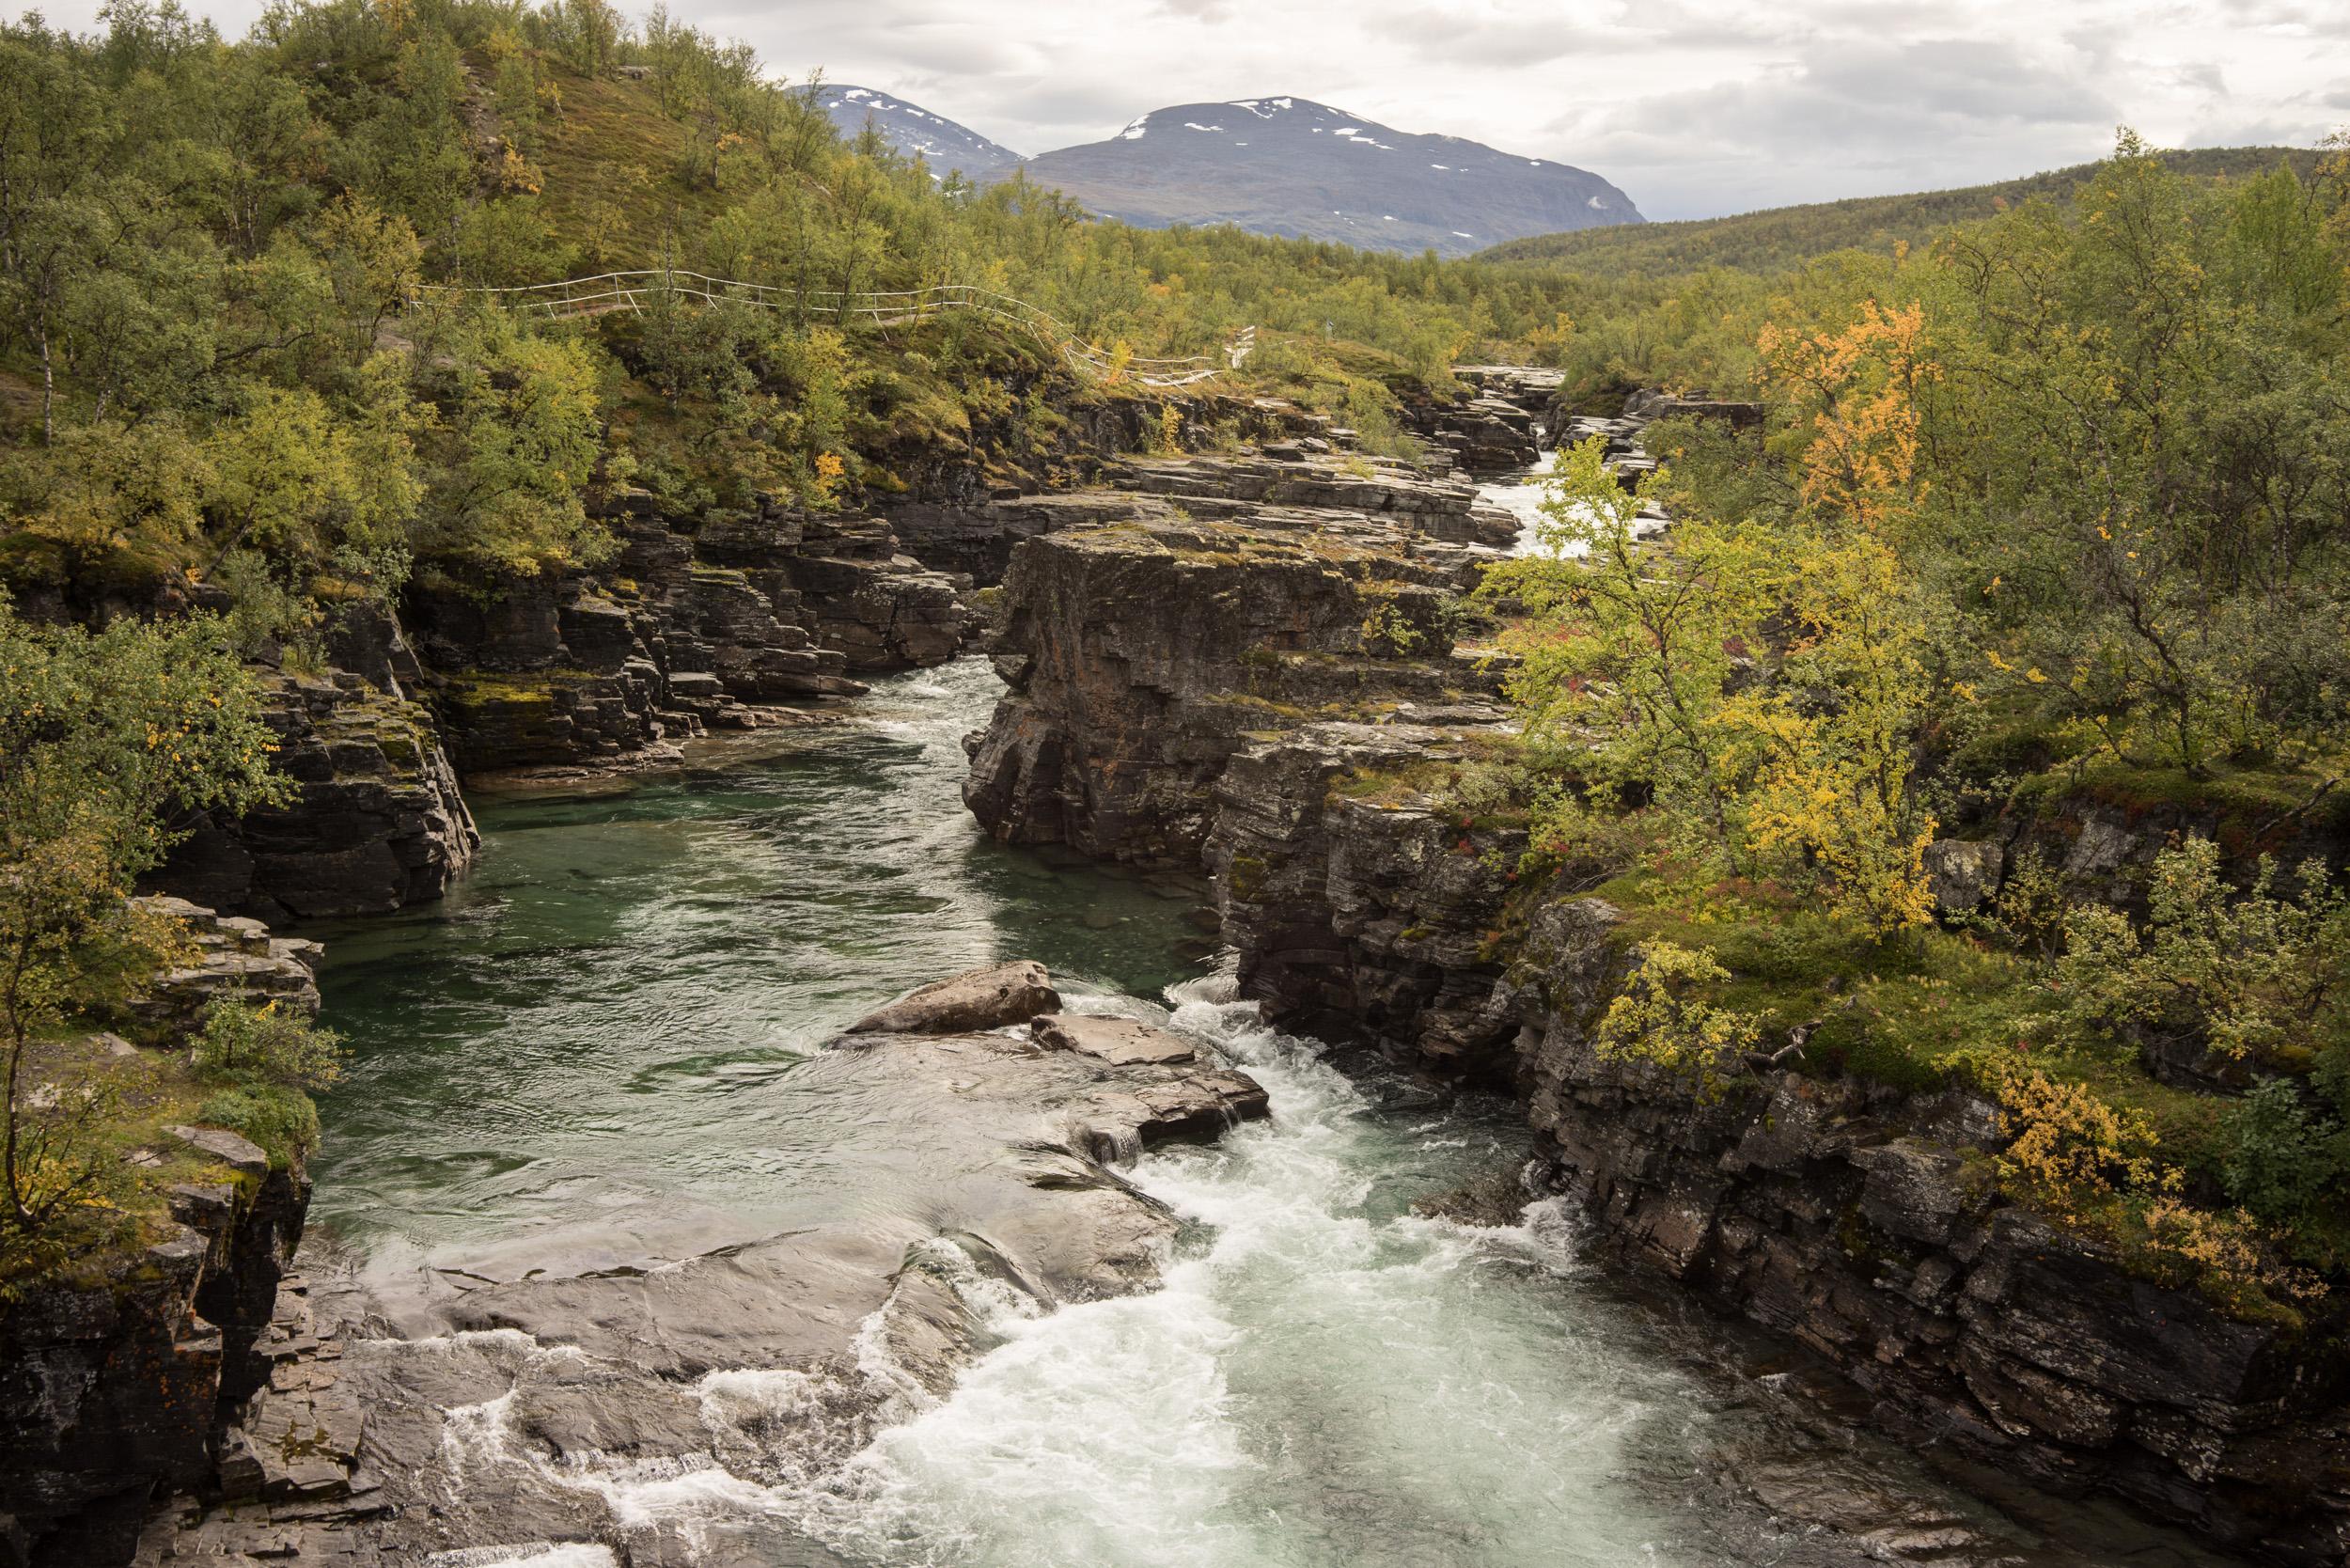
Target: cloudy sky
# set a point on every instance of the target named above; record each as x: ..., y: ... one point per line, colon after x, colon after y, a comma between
x: 1694, y: 108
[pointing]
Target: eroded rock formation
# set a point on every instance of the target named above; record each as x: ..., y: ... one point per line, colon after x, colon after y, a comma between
x: 1366, y: 912
x: 1142, y: 648
x: 1187, y: 692
x: 376, y: 821
x: 1865, y: 1222
x: 118, y: 1374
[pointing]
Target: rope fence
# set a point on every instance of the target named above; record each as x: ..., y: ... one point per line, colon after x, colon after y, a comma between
x: 633, y: 290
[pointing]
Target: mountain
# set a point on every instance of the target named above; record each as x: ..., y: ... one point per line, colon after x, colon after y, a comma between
x: 944, y: 145
x: 1781, y: 237
x: 1287, y: 165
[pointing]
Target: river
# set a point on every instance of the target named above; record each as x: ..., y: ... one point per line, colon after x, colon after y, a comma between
x: 585, y: 1058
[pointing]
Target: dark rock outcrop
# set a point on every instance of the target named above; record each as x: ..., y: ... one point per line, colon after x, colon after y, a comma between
x: 376, y: 821
x: 1365, y: 914
x: 229, y: 954
x: 698, y: 624
x: 118, y: 1374
x: 1289, y: 483
x: 1864, y: 1222
x: 1485, y: 436
x: 1141, y: 652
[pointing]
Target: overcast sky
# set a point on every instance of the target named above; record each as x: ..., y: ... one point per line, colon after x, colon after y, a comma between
x: 1694, y: 108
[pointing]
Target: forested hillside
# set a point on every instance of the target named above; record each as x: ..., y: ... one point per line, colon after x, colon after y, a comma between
x: 1783, y: 237
x: 2044, y: 544
x: 221, y: 354
x: 2048, y: 500
x: 255, y: 388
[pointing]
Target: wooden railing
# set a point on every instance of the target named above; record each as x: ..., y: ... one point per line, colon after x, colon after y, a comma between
x: 634, y: 291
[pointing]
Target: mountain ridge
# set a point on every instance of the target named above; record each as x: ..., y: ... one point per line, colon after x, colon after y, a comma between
x: 1280, y: 164
x: 1309, y: 170
x: 947, y: 146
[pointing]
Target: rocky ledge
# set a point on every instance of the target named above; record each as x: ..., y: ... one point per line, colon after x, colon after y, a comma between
x: 699, y: 623
x: 765, y: 1362
x: 1192, y: 692
x: 376, y: 821
x: 1863, y: 1221
x: 119, y: 1375
x: 1142, y: 648
x: 1359, y: 906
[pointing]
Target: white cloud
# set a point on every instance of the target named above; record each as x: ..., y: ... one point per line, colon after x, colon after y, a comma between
x: 1692, y: 106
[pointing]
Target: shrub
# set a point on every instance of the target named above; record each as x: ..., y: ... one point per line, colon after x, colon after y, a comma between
x: 270, y: 1043
x: 2251, y: 978
x: 1388, y: 631
x: 2285, y: 1160
x: 2067, y: 1148
x: 2097, y: 1168
x: 1661, y: 1018
x: 281, y: 1119
x: 2030, y: 907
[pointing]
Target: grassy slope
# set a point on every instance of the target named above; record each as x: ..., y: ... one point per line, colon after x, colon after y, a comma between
x: 1784, y: 236
x: 587, y: 155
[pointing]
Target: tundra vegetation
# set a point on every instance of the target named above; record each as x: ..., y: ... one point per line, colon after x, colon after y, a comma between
x: 2044, y: 518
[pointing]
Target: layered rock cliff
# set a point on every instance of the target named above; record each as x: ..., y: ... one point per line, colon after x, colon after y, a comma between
x: 1189, y: 694
x: 376, y: 822
x: 1360, y: 906
x: 119, y: 1373
x: 1143, y: 647
x: 1864, y: 1222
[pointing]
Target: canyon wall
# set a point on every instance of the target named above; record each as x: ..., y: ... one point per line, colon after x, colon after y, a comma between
x: 1198, y: 695
x: 120, y: 1372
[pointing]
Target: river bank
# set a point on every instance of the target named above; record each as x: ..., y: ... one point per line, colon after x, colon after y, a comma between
x: 593, y: 1146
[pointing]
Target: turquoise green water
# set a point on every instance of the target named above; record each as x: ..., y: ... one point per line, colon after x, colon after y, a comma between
x: 583, y: 1057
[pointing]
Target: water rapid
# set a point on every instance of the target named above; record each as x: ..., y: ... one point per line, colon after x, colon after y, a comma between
x: 588, y: 1059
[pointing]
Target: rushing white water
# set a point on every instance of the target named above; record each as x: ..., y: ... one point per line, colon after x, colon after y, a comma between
x: 1523, y: 498
x: 1324, y: 1378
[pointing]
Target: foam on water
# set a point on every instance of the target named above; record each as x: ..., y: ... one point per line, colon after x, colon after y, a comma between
x: 530, y: 1554
x: 1523, y: 499
x: 599, y: 1032
x: 1322, y: 1378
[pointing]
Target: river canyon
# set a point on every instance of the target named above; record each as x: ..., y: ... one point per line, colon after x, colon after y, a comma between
x: 590, y: 1058
x: 639, y: 1240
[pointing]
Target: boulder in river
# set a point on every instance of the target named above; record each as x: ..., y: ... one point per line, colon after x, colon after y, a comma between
x: 990, y: 998
x: 1121, y: 1042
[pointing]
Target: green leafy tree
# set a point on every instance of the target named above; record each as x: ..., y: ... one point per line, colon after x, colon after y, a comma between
x: 518, y: 444
x: 2264, y: 976
x: 103, y: 735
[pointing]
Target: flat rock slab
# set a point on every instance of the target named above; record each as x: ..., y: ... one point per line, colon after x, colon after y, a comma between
x: 1121, y: 1042
x: 990, y: 998
x: 989, y: 1178
x: 238, y: 1152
